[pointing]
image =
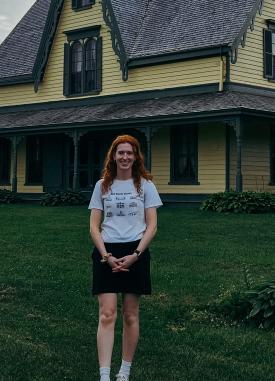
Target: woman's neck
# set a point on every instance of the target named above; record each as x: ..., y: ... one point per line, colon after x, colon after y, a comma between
x: 124, y: 175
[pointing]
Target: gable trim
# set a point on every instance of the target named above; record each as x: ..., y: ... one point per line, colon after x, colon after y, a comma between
x: 46, y: 42
x: 117, y: 43
x: 249, y: 23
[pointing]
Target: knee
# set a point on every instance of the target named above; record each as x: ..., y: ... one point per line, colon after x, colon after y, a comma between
x: 130, y: 318
x: 107, y: 317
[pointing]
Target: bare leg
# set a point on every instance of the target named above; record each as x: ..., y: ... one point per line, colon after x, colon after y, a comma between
x: 130, y: 312
x: 106, y: 326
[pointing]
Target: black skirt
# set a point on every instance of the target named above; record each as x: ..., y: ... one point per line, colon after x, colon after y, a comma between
x: 136, y: 281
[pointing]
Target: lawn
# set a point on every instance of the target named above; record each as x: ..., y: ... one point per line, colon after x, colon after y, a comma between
x: 48, y: 318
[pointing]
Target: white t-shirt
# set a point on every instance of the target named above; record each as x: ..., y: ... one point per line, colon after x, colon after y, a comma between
x: 124, y: 209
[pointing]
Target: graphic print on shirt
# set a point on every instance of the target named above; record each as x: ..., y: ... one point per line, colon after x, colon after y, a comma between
x: 122, y: 204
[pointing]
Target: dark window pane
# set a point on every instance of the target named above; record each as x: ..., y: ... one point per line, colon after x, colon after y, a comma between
x: 5, y: 161
x: 86, y: 2
x: 184, y: 154
x: 34, y: 160
x: 90, y: 65
x: 77, y: 65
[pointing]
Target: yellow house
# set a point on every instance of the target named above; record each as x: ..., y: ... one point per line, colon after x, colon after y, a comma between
x: 193, y: 80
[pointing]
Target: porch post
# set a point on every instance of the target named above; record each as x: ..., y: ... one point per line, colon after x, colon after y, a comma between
x: 14, y: 141
x: 239, y: 136
x: 76, y: 138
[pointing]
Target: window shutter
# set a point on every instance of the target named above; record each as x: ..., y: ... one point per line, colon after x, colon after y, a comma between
x: 74, y: 4
x: 268, y: 58
x: 67, y: 70
x: 99, y: 63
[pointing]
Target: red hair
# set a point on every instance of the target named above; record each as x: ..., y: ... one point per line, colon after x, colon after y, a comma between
x: 110, y: 169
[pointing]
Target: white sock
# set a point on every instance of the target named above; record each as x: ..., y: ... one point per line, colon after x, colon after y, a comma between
x: 125, y: 368
x: 104, y: 373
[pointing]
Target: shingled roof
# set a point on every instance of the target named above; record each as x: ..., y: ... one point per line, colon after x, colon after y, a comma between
x: 155, y: 110
x: 153, y: 27
x: 147, y: 28
x: 19, y: 50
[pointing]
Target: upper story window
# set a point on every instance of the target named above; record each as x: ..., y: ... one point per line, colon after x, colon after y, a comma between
x: 184, y: 155
x: 83, y: 62
x: 5, y: 161
x: 82, y: 4
x: 269, y: 50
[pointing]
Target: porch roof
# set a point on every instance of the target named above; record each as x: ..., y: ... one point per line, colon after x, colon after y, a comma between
x: 189, y: 107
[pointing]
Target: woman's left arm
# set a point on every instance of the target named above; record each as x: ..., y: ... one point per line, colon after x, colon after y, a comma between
x: 151, y: 229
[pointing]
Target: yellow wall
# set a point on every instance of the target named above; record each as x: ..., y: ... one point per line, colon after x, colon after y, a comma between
x: 21, y: 172
x: 200, y: 71
x: 249, y: 66
x: 211, y: 161
x: 255, y: 159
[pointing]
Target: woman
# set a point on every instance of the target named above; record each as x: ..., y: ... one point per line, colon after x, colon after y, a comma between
x: 126, y: 200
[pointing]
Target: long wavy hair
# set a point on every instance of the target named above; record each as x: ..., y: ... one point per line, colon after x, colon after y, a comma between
x: 109, y: 172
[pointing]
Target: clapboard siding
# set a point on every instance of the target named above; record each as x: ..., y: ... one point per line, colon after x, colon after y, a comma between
x: 195, y: 72
x: 211, y: 161
x: 255, y: 159
x: 249, y: 66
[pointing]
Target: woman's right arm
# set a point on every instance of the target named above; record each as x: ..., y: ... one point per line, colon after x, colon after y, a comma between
x: 95, y: 222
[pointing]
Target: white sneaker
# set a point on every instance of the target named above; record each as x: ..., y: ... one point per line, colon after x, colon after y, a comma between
x: 122, y: 377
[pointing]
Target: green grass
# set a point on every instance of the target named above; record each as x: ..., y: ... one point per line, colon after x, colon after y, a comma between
x: 48, y: 318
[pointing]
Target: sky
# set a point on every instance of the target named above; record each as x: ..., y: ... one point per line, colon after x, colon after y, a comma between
x: 11, y: 11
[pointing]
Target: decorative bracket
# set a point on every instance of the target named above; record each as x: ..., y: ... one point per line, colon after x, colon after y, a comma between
x: 241, y: 38
x: 117, y: 43
x: 75, y: 135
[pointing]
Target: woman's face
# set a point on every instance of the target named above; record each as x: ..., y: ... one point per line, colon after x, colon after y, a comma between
x: 124, y: 157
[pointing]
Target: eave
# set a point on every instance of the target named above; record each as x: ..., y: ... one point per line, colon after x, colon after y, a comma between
x: 20, y: 79
x: 178, y: 56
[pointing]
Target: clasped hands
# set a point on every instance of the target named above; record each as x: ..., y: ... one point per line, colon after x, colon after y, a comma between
x: 121, y: 264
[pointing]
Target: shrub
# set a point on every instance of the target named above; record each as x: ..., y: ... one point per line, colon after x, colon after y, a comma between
x: 254, y: 308
x: 262, y: 301
x: 8, y: 197
x: 240, y: 202
x: 67, y: 198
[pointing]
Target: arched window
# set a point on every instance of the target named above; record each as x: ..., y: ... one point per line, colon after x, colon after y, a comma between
x: 83, y: 62
x: 77, y: 65
x: 90, y: 65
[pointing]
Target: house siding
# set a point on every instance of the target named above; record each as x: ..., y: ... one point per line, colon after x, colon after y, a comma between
x: 21, y: 172
x: 211, y: 161
x: 255, y: 159
x: 178, y: 74
x: 249, y: 67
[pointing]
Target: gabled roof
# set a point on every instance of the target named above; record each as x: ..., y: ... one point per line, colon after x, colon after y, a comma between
x: 24, y: 53
x: 153, y: 27
x: 19, y: 50
x: 141, y: 31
